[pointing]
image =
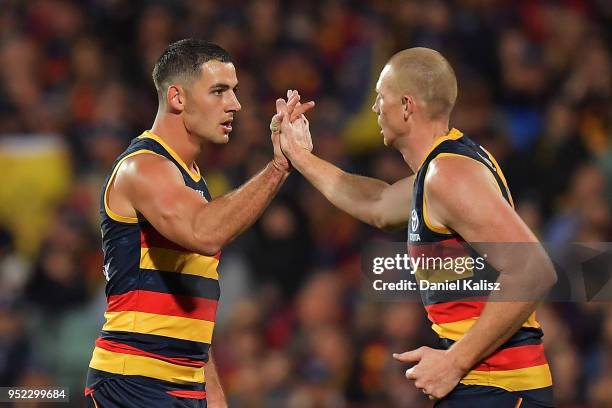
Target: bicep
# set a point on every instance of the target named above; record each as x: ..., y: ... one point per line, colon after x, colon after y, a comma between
x: 464, y: 197
x: 156, y: 190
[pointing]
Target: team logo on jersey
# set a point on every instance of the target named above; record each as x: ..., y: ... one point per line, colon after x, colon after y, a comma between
x: 414, y: 221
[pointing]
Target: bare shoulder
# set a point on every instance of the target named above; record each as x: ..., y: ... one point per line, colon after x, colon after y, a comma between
x: 147, y: 167
x: 456, y: 175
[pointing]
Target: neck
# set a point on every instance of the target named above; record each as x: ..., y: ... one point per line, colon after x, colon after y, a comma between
x: 171, y: 129
x: 415, y: 146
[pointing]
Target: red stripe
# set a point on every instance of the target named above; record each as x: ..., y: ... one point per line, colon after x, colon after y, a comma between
x: 150, y: 238
x: 88, y: 391
x: 126, y: 349
x: 452, y: 248
x: 163, y: 304
x: 449, y: 312
x: 187, y: 394
x: 514, y: 358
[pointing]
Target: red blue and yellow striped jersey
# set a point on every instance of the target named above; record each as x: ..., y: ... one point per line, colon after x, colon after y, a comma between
x: 519, y: 364
x: 162, y: 298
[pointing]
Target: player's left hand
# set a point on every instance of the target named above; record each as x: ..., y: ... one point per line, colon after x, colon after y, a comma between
x: 294, y: 111
x: 435, y: 373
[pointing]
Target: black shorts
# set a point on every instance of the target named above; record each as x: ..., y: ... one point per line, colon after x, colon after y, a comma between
x: 480, y: 396
x: 130, y: 393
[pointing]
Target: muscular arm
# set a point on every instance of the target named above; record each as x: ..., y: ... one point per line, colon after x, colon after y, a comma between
x: 214, y: 391
x: 474, y: 208
x: 367, y: 199
x: 155, y: 188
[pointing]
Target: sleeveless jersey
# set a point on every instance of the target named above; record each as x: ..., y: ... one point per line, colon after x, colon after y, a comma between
x: 162, y: 298
x: 520, y: 363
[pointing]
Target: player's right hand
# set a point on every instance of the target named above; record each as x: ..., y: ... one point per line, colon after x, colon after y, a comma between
x: 295, y: 132
x: 280, y: 160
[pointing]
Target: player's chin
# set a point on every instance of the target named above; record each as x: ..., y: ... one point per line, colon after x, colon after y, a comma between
x: 384, y: 138
x: 222, y: 137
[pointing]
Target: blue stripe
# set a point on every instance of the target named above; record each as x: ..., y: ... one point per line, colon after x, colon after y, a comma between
x: 525, y: 336
x: 166, y: 282
x: 161, y: 345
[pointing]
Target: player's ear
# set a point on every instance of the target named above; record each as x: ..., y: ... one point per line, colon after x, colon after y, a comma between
x: 175, y: 98
x: 407, y: 106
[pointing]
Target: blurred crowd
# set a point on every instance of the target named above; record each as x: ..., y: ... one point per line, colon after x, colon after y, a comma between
x: 294, y: 328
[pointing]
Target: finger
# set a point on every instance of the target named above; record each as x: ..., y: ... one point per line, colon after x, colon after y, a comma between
x: 292, y: 102
x: 301, y: 108
x: 289, y: 92
x: 410, y: 373
x: 413, y: 356
x: 281, y: 106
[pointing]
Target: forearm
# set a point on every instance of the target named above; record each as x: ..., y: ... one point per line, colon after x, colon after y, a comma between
x: 214, y: 391
x: 356, y: 195
x: 226, y: 217
x: 525, y: 278
x: 490, y: 331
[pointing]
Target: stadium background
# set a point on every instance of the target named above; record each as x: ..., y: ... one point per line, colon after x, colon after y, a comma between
x: 294, y: 328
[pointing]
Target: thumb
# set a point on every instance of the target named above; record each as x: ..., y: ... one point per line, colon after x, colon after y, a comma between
x: 276, y: 122
x: 413, y: 356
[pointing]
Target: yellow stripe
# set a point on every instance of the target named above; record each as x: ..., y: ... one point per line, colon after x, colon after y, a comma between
x: 169, y: 260
x: 127, y: 364
x: 113, y: 215
x: 160, y: 325
x: 456, y: 330
x: 195, y: 175
x: 512, y: 380
x: 439, y: 230
x: 452, y: 134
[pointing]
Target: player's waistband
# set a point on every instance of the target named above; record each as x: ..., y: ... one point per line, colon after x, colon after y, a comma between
x: 184, y: 390
x: 124, y: 360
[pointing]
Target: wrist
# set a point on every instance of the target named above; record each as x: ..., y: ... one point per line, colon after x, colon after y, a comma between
x: 460, y: 360
x: 298, y: 157
x: 282, y: 169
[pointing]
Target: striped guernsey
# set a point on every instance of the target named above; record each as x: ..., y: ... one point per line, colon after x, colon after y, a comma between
x: 519, y: 365
x: 162, y: 298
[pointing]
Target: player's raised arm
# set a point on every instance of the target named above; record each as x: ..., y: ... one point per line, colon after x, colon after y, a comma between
x: 155, y: 188
x: 372, y: 201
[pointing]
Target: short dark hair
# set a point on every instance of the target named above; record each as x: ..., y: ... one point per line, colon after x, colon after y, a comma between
x: 184, y: 59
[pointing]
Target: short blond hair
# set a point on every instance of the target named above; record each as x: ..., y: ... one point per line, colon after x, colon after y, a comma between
x: 426, y: 74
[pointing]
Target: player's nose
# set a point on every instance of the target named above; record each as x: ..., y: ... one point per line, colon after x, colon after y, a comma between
x: 235, y: 105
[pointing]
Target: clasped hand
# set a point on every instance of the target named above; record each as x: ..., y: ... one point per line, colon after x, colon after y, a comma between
x: 290, y: 128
